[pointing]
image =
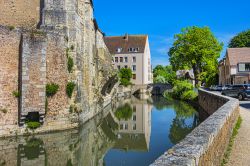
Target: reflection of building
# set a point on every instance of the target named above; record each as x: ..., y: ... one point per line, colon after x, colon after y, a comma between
x: 135, y: 132
x: 132, y: 51
x: 235, y: 67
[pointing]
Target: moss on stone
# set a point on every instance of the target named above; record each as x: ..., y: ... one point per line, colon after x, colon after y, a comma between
x: 16, y: 94
x: 70, y: 88
x: 70, y: 64
x: 231, y: 142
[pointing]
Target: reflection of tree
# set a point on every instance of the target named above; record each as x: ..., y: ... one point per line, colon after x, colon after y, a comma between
x: 160, y: 103
x: 124, y: 112
x: 180, y: 127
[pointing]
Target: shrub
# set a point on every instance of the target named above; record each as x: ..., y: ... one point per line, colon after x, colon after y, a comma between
x: 189, y: 95
x: 72, y: 47
x: 3, y: 110
x: 11, y: 27
x: 51, y: 89
x: 33, y: 125
x: 125, y: 82
x: 70, y: 88
x: 180, y: 87
x: 16, y: 94
x: 70, y: 64
x: 125, y: 75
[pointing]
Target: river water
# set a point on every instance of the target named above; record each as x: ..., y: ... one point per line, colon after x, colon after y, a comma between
x: 132, y: 132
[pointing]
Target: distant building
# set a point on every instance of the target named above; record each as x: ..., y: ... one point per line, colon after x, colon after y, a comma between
x: 186, y: 74
x: 235, y: 67
x: 132, y: 51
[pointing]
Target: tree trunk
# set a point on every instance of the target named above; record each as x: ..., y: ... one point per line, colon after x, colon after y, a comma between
x: 197, y: 76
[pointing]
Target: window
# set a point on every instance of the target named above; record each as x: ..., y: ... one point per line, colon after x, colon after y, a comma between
x: 134, y: 117
x: 134, y: 126
x: 121, y: 59
x: 134, y: 108
x: 126, y: 126
x: 130, y: 50
x: 136, y: 50
x: 134, y: 59
x: 126, y: 67
x: 118, y: 67
x: 134, y: 67
x: 134, y: 76
x: 126, y: 59
x: 244, y: 67
x: 116, y: 59
x: 121, y: 126
x: 119, y: 50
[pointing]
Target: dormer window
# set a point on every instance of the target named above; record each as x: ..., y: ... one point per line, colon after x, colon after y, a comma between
x: 119, y: 50
x: 130, y: 50
x: 133, y: 49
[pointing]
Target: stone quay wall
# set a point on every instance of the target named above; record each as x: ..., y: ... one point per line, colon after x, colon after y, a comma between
x: 206, y: 144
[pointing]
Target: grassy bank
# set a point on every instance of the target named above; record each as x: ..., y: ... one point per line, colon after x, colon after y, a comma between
x: 231, y: 142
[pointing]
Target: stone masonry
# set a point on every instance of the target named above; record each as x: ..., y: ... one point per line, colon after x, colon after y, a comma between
x: 33, y: 75
x: 36, y: 57
x: 206, y: 144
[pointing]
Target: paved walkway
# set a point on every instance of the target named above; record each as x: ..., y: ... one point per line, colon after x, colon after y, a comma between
x: 240, y: 155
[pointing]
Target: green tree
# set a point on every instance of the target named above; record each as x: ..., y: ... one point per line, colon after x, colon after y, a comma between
x: 166, y: 72
x: 159, y: 79
x: 240, y: 40
x: 196, y: 48
x: 125, y: 76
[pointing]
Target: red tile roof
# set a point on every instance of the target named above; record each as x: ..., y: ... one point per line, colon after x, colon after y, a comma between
x: 126, y: 42
x: 238, y: 55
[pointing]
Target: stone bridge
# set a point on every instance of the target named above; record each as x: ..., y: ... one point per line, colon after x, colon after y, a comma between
x: 154, y: 89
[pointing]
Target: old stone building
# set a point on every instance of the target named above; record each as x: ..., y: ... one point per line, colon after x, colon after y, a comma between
x: 37, y: 40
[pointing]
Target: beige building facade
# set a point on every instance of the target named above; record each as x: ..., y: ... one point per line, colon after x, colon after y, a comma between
x: 132, y: 51
x: 235, y: 67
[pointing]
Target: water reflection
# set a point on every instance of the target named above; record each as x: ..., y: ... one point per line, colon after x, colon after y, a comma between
x: 134, y: 132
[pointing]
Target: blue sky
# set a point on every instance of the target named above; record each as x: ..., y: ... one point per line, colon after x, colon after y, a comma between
x: 161, y: 19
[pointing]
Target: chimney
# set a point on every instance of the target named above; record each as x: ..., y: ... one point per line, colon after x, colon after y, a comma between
x: 126, y: 37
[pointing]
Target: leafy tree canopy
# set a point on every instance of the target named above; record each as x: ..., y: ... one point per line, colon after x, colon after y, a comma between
x: 164, y: 74
x: 196, y: 48
x: 125, y: 75
x: 240, y: 40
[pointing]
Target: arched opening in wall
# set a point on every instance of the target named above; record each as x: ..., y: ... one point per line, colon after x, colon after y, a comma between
x: 107, y: 88
x: 41, y: 13
x: 156, y: 90
x: 33, y: 117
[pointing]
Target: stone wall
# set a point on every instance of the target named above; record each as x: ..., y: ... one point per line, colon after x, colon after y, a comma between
x: 9, y: 64
x: 206, y: 144
x: 40, y: 56
x: 33, y: 77
x: 20, y: 13
x: 210, y: 103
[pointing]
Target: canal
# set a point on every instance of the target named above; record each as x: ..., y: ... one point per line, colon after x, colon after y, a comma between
x: 133, y: 132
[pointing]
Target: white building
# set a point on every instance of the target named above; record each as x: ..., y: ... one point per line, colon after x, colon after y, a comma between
x: 132, y: 51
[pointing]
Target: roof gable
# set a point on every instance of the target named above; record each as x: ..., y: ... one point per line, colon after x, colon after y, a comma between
x: 126, y: 42
x: 238, y: 55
